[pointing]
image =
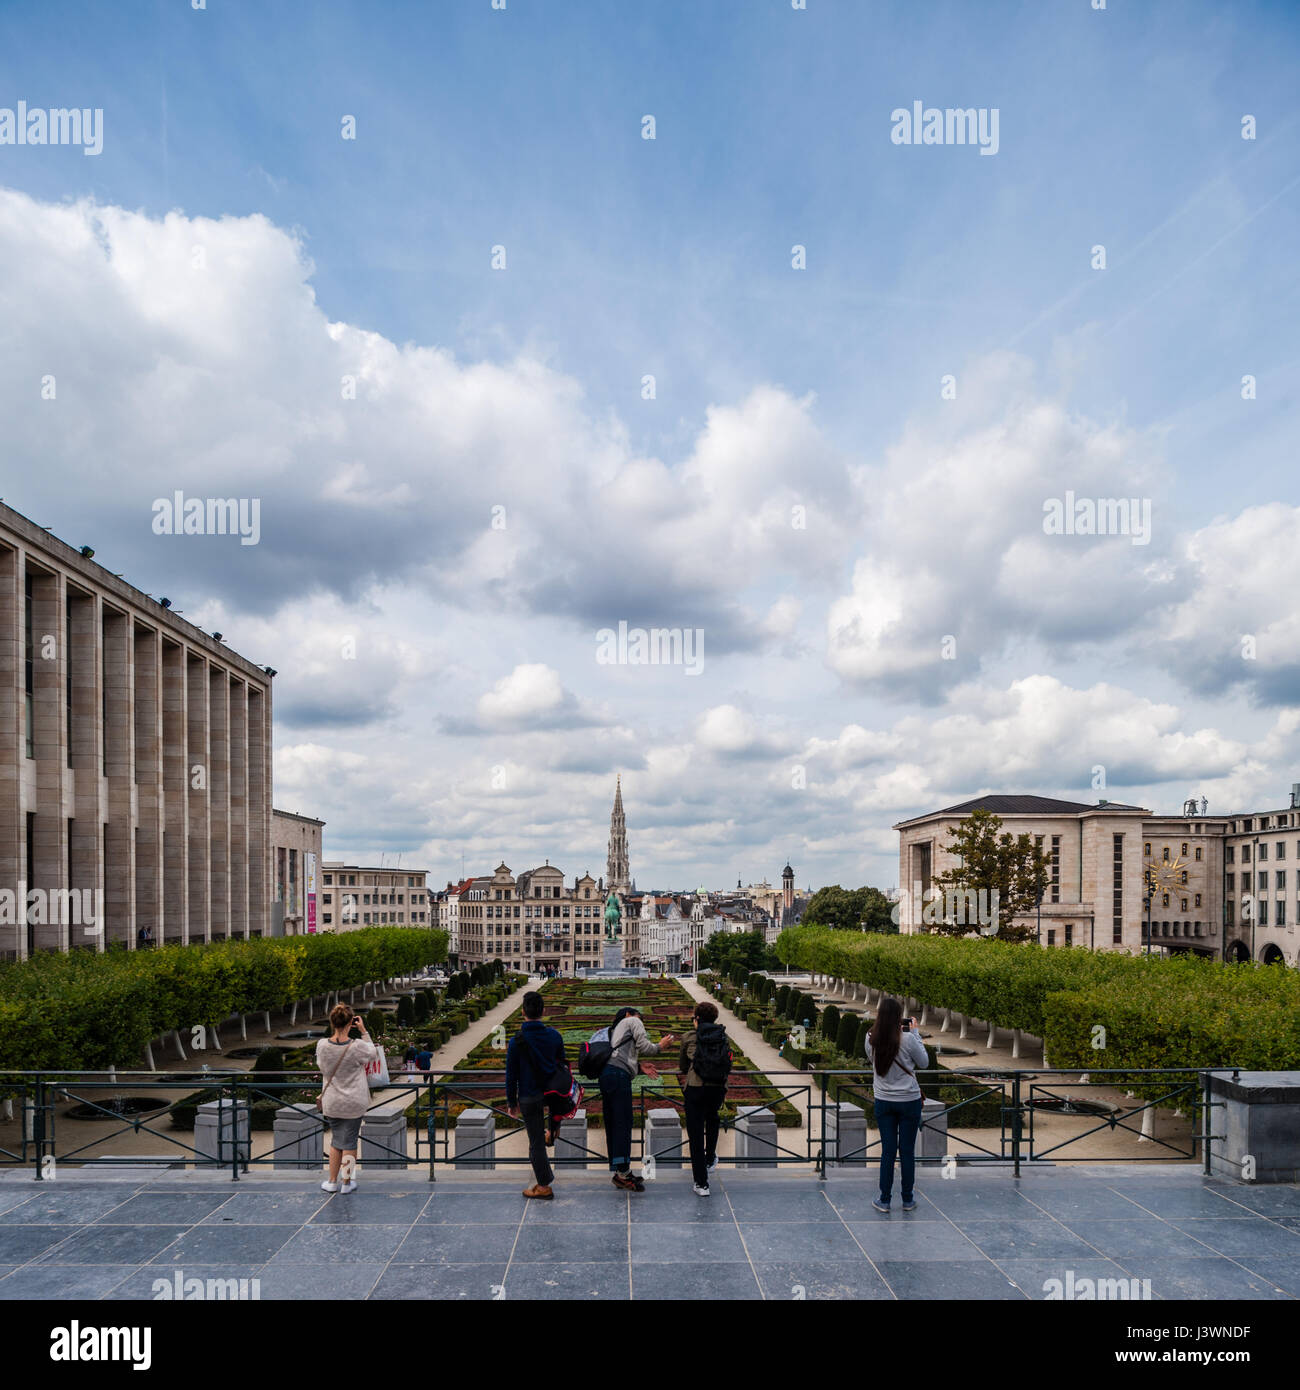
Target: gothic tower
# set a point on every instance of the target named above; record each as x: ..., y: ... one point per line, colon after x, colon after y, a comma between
x: 617, y: 877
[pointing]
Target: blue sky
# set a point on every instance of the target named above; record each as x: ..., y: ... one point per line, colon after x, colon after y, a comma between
x: 672, y: 257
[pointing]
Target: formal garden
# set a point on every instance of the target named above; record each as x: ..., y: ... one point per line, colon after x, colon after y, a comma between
x: 833, y: 1039
x: 577, y: 1009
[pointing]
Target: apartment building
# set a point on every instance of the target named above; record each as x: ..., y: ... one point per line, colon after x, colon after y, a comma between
x: 353, y: 895
x: 135, y: 762
x: 534, y: 923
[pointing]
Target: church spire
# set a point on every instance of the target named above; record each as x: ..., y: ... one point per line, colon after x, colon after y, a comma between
x: 617, y: 874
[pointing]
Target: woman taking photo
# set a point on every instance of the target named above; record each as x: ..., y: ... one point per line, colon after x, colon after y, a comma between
x: 345, y: 1095
x: 896, y: 1053
x: 628, y: 1042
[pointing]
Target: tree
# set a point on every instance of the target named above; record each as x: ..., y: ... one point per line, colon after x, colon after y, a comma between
x: 988, y: 864
x: 727, y: 951
x: 850, y: 909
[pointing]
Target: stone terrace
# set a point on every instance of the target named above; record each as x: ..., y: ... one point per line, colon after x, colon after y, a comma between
x: 980, y: 1235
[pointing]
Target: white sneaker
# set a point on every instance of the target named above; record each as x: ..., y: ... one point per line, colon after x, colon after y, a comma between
x: 348, y: 1187
x: 329, y: 1186
x: 701, y: 1191
x: 713, y: 1166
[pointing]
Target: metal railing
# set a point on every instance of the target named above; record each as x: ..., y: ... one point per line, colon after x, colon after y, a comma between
x: 434, y: 1100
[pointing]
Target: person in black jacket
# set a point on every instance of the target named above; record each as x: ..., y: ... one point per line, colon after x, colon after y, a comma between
x: 535, y: 1053
x: 702, y: 1098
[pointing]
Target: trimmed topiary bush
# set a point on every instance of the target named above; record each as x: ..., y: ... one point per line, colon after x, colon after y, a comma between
x: 846, y: 1034
x: 405, y: 1011
x: 830, y: 1022
x: 376, y: 1023
x: 783, y: 1001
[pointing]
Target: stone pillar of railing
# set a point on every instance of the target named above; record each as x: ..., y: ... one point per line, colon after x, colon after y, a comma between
x: 665, y: 1141
x: 846, y: 1135
x: 755, y: 1132
x: 476, y: 1139
x: 299, y: 1137
x: 933, y: 1138
x: 1258, y: 1126
x: 221, y: 1126
x: 571, y: 1142
x: 383, y: 1139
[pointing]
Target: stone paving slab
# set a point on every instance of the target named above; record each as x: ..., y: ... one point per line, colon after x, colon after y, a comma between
x: 982, y: 1235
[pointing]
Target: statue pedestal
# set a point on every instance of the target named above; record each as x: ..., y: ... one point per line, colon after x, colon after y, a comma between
x: 612, y: 957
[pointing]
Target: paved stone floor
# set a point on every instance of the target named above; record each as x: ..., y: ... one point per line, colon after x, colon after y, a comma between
x: 980, y: 1235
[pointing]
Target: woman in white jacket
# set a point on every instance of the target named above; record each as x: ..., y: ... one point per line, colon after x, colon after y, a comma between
x: 345, y: 1096
x: 896, y: 1053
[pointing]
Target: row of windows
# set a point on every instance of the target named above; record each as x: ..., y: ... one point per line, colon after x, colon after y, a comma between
x: 350, y: 881
x: 539, y: 891
x: 1182, y: 853
x: 379, y: 899
x: 1279, y: 876
x: 379, y: 917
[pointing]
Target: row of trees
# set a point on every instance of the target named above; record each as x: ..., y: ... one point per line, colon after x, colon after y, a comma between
x: 88, y: 1011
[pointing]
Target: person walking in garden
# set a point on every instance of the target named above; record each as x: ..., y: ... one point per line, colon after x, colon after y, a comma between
x: 628, y: 1043
x: 704, y: 1065
x: 896, y: 1053
x: 533, y: 1059
x: 345, y: 1096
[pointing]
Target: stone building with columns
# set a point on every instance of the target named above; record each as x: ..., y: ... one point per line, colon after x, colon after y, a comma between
x: 135, y: 761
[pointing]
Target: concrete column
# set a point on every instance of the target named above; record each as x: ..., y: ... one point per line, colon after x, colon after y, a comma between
x: 755, y: 1132
x: 476, y: 1138
x: 147, y: 681
x: 219, y: 1126
x: 175, y: 820
x: 259, y: 812
x: 665, y: 1139
x: 846, y: 1135
x: 198, y: 770
x: 299, y: 1138
x: 13, y: 740
x: 1259, y: 1124
x: 571, y: 1142
x: 48, y: 869
x: 932, y: 1141
x: 238, y: 808
x: 218, y: 695
x: 119, y: 776
x: 383, y: 1140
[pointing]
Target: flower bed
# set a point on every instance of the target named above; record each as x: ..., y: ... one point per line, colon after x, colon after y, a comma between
x: 576, y: 1010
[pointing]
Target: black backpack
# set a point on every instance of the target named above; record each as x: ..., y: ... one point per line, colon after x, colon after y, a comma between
x: 594, y: 1056
x: 712, y: 1059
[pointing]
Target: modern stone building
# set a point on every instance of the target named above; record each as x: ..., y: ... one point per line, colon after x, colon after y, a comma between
x: 352, y: 895
x: 135, y: 761
x: 1223, y: 886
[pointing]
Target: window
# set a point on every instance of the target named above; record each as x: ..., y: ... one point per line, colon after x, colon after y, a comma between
x: 1263, y: 853
x: 1281, y: 850
x: 1198, y: 854
x: 1228, y: 908
x: 1231, y: 880
x: 1146, y: 849
x: 1228, y: 854
x: 1069, y: 933
x: 1051, y: 936
x: 1183, y: 852
x: 1164, y: 900
x: 1182, y: 905
x: 1164, y: 854
x: 327, y: 918
x: 1198, y: 900
x: 1263, y: 912
x: 329, y: 879
x: 1281, y: 880
x: 1117, y: 892
x: 1056, y: 872
x: 1281, y: 912
x: 1245, y: 883
x: 1245, y: 854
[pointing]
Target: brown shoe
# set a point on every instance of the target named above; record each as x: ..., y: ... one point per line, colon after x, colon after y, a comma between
x: 537, y: 1190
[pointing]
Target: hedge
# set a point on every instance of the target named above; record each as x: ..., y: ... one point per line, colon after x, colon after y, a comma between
x: 89, y: 1011
x: 1093, y: 1009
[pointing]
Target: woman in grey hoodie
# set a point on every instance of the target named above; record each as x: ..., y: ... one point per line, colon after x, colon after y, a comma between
x: 896, y: 1053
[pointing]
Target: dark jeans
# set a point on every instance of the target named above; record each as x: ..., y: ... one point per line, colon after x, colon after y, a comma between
x: 702, y: 1104
x: 898, y: 1122
x: 534, y: 1112
x: 616, y: 1095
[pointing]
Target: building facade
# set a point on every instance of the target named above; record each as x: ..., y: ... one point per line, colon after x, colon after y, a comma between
x: 1221, y: 886
x: 135, y: 762
x: 535, y: 923
x: 353, y: 895
x: 295, y: 874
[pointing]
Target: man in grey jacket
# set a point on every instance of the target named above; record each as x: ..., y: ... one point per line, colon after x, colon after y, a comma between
x: 629, y: 1043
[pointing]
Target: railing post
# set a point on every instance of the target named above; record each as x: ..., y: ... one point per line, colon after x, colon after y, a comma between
x: 821, y: 1148
x: 38, y: 1126
x: 1016, y: 1117
x: 1205, y: 1123
x: 234, y: 1127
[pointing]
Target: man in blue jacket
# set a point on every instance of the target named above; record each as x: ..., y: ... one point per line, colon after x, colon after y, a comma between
x: 535, y: 1054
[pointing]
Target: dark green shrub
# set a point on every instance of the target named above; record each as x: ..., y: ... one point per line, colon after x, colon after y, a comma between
x: 830, y: 1023
x: 270, y: 1059
x: 376, y: 1023
x: 405, y: 1011
x: 421, y: 1008
x: 847, y: 1034
x: 783, y: 1001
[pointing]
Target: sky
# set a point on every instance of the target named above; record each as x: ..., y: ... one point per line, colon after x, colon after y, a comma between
x: 502, y: 373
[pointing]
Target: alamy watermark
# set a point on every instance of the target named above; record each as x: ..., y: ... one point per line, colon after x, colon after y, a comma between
x: 1098, y: 516
x: 1072, y: 1290
x: 179, y: 515
x: 57, y: 125
x: 52, y: 907
x: 656, y: 646
x: 973, y: 907
x: 949, y: 125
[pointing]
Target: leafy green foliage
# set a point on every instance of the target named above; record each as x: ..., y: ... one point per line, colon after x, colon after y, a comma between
x: 725, y: 950
x: 851, y: 909
x: 830, y: 1022
x: 87, y: 1010
x: 987, y: 863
